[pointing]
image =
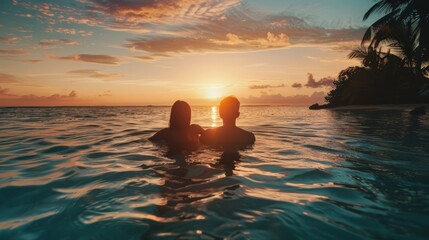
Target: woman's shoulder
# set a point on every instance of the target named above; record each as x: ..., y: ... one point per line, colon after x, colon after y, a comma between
x: 160, y: 135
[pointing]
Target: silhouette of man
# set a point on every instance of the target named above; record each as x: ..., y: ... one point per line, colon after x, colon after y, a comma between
x: 229, y: 135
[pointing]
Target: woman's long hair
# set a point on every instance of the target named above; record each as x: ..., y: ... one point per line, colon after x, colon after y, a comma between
x: 180, y: 116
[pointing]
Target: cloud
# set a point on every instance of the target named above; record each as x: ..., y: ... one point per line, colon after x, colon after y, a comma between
x: 13, y: 51
x: 297, y: 85
x: 8, y: 99
x: 107, y: 93
x: 27, y: 15
x: 266, y: 98
x: 55, y: 43
x: 240, y: 30
x: 84, y: 33
x: 152, y: 57
x: 177, y: 27
x: 4, y: 92
x: 70, y: 31
x: 231, y: 42
x: 312, y: 83
x: 8, y: 78
x: 27, y: 60
x: 145, y: 58
x: 271, y: 41
x: 125, y: 11
x: 323, y: 82
x: 95, y: 74
x: 23, y: 60
x: 254, y: 87
x: 9, y: 40
x: 92, y: 58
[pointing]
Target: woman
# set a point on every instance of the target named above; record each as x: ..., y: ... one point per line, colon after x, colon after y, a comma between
x: 180, y: 133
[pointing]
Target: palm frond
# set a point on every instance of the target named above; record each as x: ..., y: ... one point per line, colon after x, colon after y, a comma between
x: 374, y: 9
x: 360, y: 52
x: 377, y: 25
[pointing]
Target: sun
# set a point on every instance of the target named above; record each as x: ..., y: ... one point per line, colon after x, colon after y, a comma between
x: 214, y: 91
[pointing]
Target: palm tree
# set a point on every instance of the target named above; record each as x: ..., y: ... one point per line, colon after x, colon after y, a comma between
x: 369, y: 57
x: 401, y: 38
x: 376, y: 59
x: 414, y: 13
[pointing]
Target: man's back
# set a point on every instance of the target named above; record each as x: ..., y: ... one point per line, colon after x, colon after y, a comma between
x: 227, y: 136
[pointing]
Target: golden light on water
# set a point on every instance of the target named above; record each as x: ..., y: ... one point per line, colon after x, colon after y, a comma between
x: 214, y: 116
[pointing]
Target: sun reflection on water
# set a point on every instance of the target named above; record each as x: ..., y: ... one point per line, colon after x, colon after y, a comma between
x: 214, y: 116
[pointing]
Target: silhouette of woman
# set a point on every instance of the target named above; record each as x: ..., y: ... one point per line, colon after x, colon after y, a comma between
x: 180, y: 134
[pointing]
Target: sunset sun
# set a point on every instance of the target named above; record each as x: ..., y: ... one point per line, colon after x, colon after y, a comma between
x: 214, y: 91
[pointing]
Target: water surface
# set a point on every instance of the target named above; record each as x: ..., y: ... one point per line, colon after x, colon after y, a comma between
x: 90, y: 173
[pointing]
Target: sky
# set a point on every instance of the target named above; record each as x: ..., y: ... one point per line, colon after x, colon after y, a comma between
x: 153, y: 52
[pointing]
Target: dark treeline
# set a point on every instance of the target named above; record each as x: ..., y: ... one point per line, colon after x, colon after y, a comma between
x: 394, y: 56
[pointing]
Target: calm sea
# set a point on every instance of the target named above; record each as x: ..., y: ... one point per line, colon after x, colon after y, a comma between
x: 91, y: 173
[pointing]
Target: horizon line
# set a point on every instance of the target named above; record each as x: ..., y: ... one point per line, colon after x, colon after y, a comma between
x: 146, y: 105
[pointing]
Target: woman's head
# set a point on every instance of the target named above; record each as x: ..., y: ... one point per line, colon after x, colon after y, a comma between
x: 180, y: 116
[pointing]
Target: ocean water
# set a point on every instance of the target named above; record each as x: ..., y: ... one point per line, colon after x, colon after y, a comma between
x: 91, y: 173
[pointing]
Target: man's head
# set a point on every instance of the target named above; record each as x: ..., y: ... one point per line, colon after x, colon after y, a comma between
x: 229, y: 108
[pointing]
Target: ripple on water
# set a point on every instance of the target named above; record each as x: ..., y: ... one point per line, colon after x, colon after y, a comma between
x: 91, y: 173
x: 137, y: 157
x: 98, y: 155
x: 55, y: 149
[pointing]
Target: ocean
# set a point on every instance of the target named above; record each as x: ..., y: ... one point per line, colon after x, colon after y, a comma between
x: 91, y: 173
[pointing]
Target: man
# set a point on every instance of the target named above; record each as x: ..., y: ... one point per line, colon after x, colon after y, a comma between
x: 229, y: 135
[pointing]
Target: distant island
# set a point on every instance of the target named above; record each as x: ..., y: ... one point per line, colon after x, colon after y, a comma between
x: 394, y: 56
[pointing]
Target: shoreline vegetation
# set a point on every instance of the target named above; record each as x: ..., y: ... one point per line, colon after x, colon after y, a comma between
x: 394, y: 56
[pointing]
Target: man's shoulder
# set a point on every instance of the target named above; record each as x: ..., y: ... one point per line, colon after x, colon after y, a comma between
x: 248, y: 136
x: 222, y: 135
x: 211, y: 135
x: 210, y: 132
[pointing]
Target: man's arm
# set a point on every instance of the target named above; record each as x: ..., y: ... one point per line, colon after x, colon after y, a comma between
x: 206, y: 136
x: 197, y: 129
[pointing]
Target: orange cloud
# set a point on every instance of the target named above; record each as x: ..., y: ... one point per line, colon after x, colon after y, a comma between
x: 56, y: 43
x: 271, y: 41
x: 161, y: 45
x: 266, y: 98
x: 13, y: 52
x: 162, y: 10
x: 27, y: 60
x: 7, y: 99
x: 240, y: 30
x: 172, y: 27
x: 95, y: 74
x: 92, y: 58
x: 313, y: 83
x: 8, y: 78
x: 297, y: 85
x: 255, y: 87
x: 324, y: 82
x: 107, y: 93
x: 3, y: 91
